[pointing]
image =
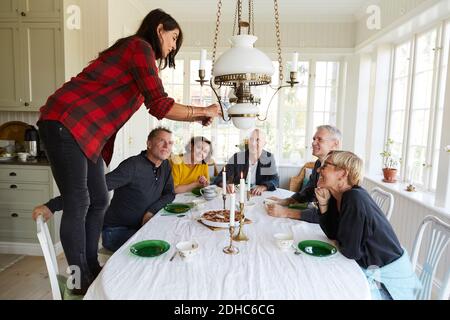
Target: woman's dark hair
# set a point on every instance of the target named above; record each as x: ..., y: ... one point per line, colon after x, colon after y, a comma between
x: 194, y: 141
x: 148, y: 32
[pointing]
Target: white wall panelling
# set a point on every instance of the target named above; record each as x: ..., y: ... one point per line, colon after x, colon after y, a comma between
x: 296, y: 35
x: 285, y: 174
x: 27, y: 117
x: 390, y: 12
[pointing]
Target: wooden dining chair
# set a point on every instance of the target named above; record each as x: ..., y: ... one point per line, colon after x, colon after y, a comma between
x: 296, y: 182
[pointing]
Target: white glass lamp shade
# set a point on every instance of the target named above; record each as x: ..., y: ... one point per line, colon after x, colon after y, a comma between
x: 243, y: 58
x: 243, y: 115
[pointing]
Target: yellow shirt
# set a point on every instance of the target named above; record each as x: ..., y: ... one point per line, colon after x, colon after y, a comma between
x: 184, y: 174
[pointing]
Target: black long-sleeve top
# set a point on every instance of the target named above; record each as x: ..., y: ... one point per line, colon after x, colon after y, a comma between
x: 361, y: 229
x: 307, y: 194
x: 139, y: 187
x: 266, y: 170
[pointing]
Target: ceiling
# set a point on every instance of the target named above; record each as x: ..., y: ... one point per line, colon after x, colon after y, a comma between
x: 290, y: 10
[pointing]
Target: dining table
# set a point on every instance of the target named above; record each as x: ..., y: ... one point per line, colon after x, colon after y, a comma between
x: 260, y: 271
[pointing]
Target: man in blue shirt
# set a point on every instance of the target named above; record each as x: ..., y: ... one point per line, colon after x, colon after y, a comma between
x: 142, y: 185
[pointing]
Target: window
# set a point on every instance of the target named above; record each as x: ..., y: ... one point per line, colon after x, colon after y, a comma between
x: 399, y: 98
x: 417, y: 93
x: 313, y: 102
x: 173, y: 80
x: 325, y: 93
x: 292, y: 117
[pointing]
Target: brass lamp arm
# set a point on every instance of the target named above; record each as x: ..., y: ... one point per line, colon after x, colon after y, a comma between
x: 270, y: 102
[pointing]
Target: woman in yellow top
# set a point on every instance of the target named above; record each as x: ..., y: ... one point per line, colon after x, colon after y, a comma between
x: 190, y: 170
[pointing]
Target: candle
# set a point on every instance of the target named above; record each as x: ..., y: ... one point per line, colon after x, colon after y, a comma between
x: 224, y: 181
x: 294, y: 66
x: 232, y: 209
x: 202, y: 59
x: 249, y: 178
x: 242, y: 188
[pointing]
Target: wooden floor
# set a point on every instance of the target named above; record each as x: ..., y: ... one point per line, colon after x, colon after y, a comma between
x: 27, y: 279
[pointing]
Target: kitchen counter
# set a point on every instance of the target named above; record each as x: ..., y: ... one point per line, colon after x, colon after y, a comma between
x: 36, y: 162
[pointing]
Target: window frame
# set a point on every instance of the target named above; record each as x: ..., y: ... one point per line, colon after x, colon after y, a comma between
x: 433, y: 126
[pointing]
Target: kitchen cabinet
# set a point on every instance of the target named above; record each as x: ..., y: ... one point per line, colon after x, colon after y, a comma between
x: 32, y: 53
x: 22, y: 187
x: 30, y: 9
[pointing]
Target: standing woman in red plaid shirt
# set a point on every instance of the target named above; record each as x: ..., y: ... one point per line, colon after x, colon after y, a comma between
x: 80, y: 120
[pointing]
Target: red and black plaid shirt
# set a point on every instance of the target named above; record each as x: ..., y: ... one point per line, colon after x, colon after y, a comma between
x: 96, y: 103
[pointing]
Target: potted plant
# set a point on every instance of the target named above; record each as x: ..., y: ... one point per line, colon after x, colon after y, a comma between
x: 389, y: 163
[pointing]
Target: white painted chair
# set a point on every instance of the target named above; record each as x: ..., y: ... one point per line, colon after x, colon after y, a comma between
x: 57, y: 282
x: 384, y: 200
x: 438, y: 236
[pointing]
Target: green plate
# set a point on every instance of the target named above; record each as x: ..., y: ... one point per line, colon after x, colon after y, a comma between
x: 317, y: 248
x: 301, y: 206
x: 177, y: 207
x: 196, y: 191
x: 149, y: 248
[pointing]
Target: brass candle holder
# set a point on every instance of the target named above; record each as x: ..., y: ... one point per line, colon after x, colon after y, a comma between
x: 410, y: 188
x: 241, y: 235
x: 224, y: 197
x: 201, y: 75
x: 293, y: 79
x: 231, y: 249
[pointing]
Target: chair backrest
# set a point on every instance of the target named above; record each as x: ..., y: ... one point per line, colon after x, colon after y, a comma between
x: 296, y: 182
x: 438, y: 239
x: 384, y: 200
x: 49, y: 255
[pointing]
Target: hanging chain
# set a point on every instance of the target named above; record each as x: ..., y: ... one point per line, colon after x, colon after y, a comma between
x: 252, y: 17
x: 239, y: 15
x: 249, y: 16
x: 278, y: 34
x: 235, y: 18
x: 216, y: 35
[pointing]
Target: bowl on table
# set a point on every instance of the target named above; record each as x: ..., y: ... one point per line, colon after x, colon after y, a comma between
x: 283, y: 240
x: 187, y: 249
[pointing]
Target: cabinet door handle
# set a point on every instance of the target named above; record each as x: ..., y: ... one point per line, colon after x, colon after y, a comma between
x: 23, y: 14
x: 14, y: 215
x: 26, y: 104
x: 13, y: 186
x: 12, y: 174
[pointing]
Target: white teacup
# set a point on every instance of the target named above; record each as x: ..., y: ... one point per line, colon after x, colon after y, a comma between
x: 187, y: 248
x: 283, y: 240
x: 23, y: 156
x: 209, y: 192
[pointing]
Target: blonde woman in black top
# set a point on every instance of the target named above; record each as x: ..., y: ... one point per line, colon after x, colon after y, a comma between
x: 360, y: 229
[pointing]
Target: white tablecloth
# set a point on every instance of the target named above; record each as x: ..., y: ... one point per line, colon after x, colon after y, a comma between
x: 259, y: 271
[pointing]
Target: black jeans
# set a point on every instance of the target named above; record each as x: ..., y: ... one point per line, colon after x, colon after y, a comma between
x: 85, y: 197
